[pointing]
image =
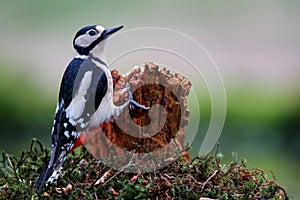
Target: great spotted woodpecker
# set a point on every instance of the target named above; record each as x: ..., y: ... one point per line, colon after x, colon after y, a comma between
x: 85, y: 98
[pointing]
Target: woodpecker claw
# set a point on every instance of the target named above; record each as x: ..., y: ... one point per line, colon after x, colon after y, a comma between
x: 132, y: 103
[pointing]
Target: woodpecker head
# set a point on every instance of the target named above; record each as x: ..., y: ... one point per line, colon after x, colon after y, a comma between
x: 90, y: 38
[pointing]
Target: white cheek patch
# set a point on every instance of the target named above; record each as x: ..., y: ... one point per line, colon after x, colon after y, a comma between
x: 84, y: 40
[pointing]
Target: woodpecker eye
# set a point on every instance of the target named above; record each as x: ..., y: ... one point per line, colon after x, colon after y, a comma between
x: 92, y: 32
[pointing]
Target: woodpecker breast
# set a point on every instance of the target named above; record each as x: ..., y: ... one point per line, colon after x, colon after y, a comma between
x: 106, y: 108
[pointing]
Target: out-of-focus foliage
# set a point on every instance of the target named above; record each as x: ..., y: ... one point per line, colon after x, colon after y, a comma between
x: 25, y: 110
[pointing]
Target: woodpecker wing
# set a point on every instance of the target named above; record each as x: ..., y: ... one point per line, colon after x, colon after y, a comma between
x: 89, y: 88
x: 82, y: 89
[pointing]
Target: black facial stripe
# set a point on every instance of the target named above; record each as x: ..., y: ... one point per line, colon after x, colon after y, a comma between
x: 99, y: 39
x: 82, y: 50
x: 86, y: 50
x: 84, y: 30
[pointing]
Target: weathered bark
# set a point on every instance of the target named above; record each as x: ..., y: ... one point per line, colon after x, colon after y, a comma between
x: 134, y: 130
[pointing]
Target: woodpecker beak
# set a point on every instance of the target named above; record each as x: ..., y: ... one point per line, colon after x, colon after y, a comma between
x: 108, y: 31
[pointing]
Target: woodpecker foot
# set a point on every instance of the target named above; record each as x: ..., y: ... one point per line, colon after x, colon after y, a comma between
x: 116, y: 76
x: 132, y: 103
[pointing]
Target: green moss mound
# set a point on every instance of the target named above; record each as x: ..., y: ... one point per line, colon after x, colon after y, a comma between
x: 83, y: 177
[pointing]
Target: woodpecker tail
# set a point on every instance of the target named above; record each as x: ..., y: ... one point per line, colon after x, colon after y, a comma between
x: 51, y: 170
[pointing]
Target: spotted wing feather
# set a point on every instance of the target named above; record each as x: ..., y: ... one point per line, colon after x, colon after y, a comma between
x: 67, y: 127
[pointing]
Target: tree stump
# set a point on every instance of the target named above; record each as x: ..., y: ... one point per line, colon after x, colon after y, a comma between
x: 160, y: 129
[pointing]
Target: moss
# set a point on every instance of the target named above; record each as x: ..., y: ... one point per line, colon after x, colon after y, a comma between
x: 83, y: 177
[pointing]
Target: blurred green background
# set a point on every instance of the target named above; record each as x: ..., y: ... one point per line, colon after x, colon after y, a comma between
x: 256, y: 46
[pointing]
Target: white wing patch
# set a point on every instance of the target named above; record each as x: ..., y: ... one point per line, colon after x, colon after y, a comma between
x: 77, y: 105
x: 67, y: 134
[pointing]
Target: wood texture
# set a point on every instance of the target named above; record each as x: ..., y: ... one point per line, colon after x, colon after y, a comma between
x: 140, y: 131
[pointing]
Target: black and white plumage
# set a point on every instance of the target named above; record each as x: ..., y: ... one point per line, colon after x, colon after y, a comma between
x: 85, y: 97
